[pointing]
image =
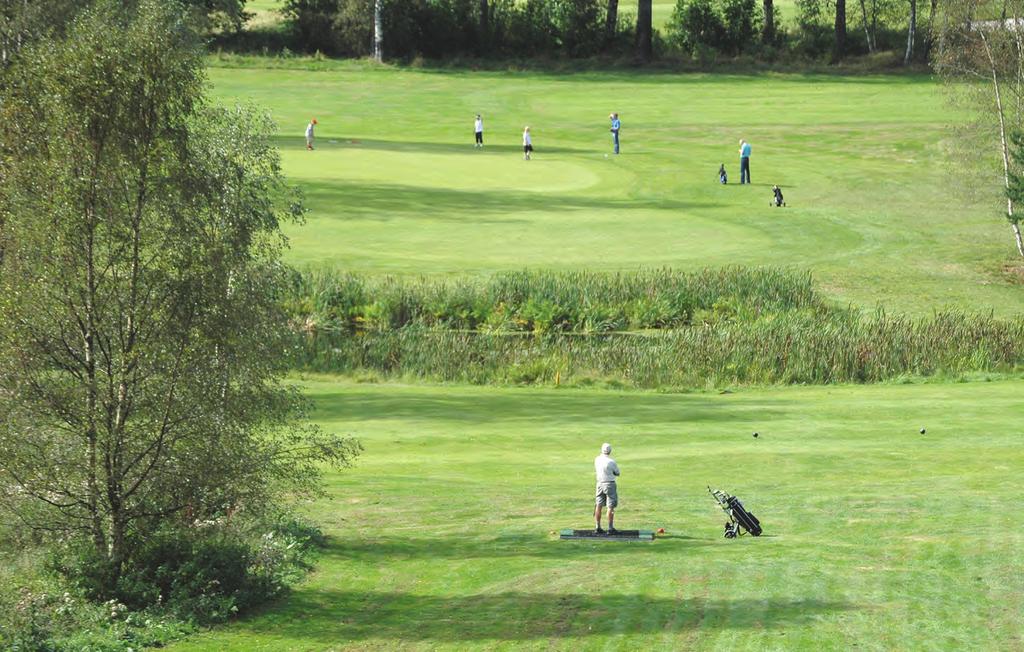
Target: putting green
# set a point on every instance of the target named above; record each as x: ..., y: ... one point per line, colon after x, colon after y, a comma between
x: 445, y: 535
x: 402, y: 190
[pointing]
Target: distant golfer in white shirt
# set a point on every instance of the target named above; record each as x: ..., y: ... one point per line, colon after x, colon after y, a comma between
x: 607, y: 470
x: 309, y: 133
x: 478, y: 129
x: 527, y: 144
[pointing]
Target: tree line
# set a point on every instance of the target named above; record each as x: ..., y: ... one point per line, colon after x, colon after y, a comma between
x: 403, y: 29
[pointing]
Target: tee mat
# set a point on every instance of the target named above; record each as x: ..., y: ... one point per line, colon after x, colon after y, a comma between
x: 620, y: 535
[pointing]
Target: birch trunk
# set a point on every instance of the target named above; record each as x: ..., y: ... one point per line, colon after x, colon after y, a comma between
x: 378, y: 30
x: 910, y: 33
x: 867, y: 27
x: 1004, y: 145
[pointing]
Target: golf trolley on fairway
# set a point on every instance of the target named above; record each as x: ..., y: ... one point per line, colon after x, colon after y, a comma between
x: 739, y: 518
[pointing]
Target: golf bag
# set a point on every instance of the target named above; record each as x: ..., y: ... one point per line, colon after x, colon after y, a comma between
x: 777, y: 199
x: 739, y: 518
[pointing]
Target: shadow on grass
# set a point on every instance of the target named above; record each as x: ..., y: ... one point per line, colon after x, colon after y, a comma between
x: 421, y: 147
x: 353, y: 404
x: 459, y: 148
x: 336, y: 615
x: 384, y: 201
x: 381, y: 548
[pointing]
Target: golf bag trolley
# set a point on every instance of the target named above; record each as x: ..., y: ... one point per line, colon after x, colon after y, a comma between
x: 739, y: 518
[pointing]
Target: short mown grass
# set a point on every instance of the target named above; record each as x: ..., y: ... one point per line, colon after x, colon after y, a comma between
x: 395, y: 185
x: 876, y: 537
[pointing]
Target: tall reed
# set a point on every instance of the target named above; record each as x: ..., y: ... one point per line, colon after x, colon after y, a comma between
x: 542, y: 302
x: 793, y: 347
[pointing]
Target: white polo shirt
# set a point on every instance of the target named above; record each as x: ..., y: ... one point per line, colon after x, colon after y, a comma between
x: 479, y: 126
x: 606, y: 468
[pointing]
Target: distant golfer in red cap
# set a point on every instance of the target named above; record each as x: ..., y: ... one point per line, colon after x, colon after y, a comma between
x: 309, y: 133
x: 607, y: 470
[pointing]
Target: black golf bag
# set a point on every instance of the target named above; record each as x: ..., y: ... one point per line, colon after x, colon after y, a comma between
x: 777, y: 199
x: 739, y: 518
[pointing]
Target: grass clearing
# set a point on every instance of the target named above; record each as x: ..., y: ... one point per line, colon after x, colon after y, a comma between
x: 396, y: 186
x: 875, y: 535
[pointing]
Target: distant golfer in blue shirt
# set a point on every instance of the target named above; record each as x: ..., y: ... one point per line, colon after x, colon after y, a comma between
x: 744, y: 162
x: 616, y: 125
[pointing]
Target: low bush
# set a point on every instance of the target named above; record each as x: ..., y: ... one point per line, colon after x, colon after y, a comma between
x: 178, y: 578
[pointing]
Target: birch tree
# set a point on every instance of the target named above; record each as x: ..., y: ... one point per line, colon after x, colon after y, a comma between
x: 141, y: 341
x: 869, y: 19
x: 911, y: 33
x: 378, y: 30
x: 980, y: 55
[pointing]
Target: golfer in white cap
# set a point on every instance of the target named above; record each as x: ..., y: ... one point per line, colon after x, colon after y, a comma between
x: 607, y: 470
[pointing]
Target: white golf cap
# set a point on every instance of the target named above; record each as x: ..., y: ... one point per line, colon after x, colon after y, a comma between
x: 606, y: 448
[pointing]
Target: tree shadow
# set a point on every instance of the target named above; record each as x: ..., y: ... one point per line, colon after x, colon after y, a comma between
x: 423, y: 147
x: 576, y: 71
x: 538, y: 546
x: 384, y: 202
x: 351, y: 404
x: 334, y: 615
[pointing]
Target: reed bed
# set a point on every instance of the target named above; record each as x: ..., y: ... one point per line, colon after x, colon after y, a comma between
x: 803, y: 346
x: 545, y: 302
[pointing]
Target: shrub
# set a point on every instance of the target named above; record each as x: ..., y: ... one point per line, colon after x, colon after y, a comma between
x: 695, y: 24
x: 202, y: 574
x: 742, y: 22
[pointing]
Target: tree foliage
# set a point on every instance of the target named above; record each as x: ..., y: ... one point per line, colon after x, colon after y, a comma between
x: 980, y: 54
x: 141, y: 340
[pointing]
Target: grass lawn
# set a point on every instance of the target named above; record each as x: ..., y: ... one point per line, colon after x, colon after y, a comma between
x: 876, y: 537
x: 395, y: 185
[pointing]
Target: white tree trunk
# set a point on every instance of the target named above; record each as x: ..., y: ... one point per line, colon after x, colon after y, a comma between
x: 1004, y: 145
x: 910, y: 33
x: 378, y: 30
x: 867, y: 27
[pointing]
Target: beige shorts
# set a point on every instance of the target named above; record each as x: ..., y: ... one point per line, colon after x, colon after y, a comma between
x: 606, y: 494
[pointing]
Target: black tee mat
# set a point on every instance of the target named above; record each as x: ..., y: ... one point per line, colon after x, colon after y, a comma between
x: 620, y: 535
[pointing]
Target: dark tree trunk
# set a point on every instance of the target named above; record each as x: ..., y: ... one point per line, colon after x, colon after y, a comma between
x: 485, y: 27
x: 930, y: 36
x: 840, y: 44
x: 911, y: 31
x: 644, y: 35
x: 768, y: 33
x: 611, y: 20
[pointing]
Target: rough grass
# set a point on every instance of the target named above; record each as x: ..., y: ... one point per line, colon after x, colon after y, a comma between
x: 876, y: 537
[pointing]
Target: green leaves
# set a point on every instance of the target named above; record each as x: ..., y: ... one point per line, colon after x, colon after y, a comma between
x: 143, y: 344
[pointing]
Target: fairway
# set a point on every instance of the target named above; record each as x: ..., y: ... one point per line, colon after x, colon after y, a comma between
x: 395, y: 185
x: 444, y: 535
